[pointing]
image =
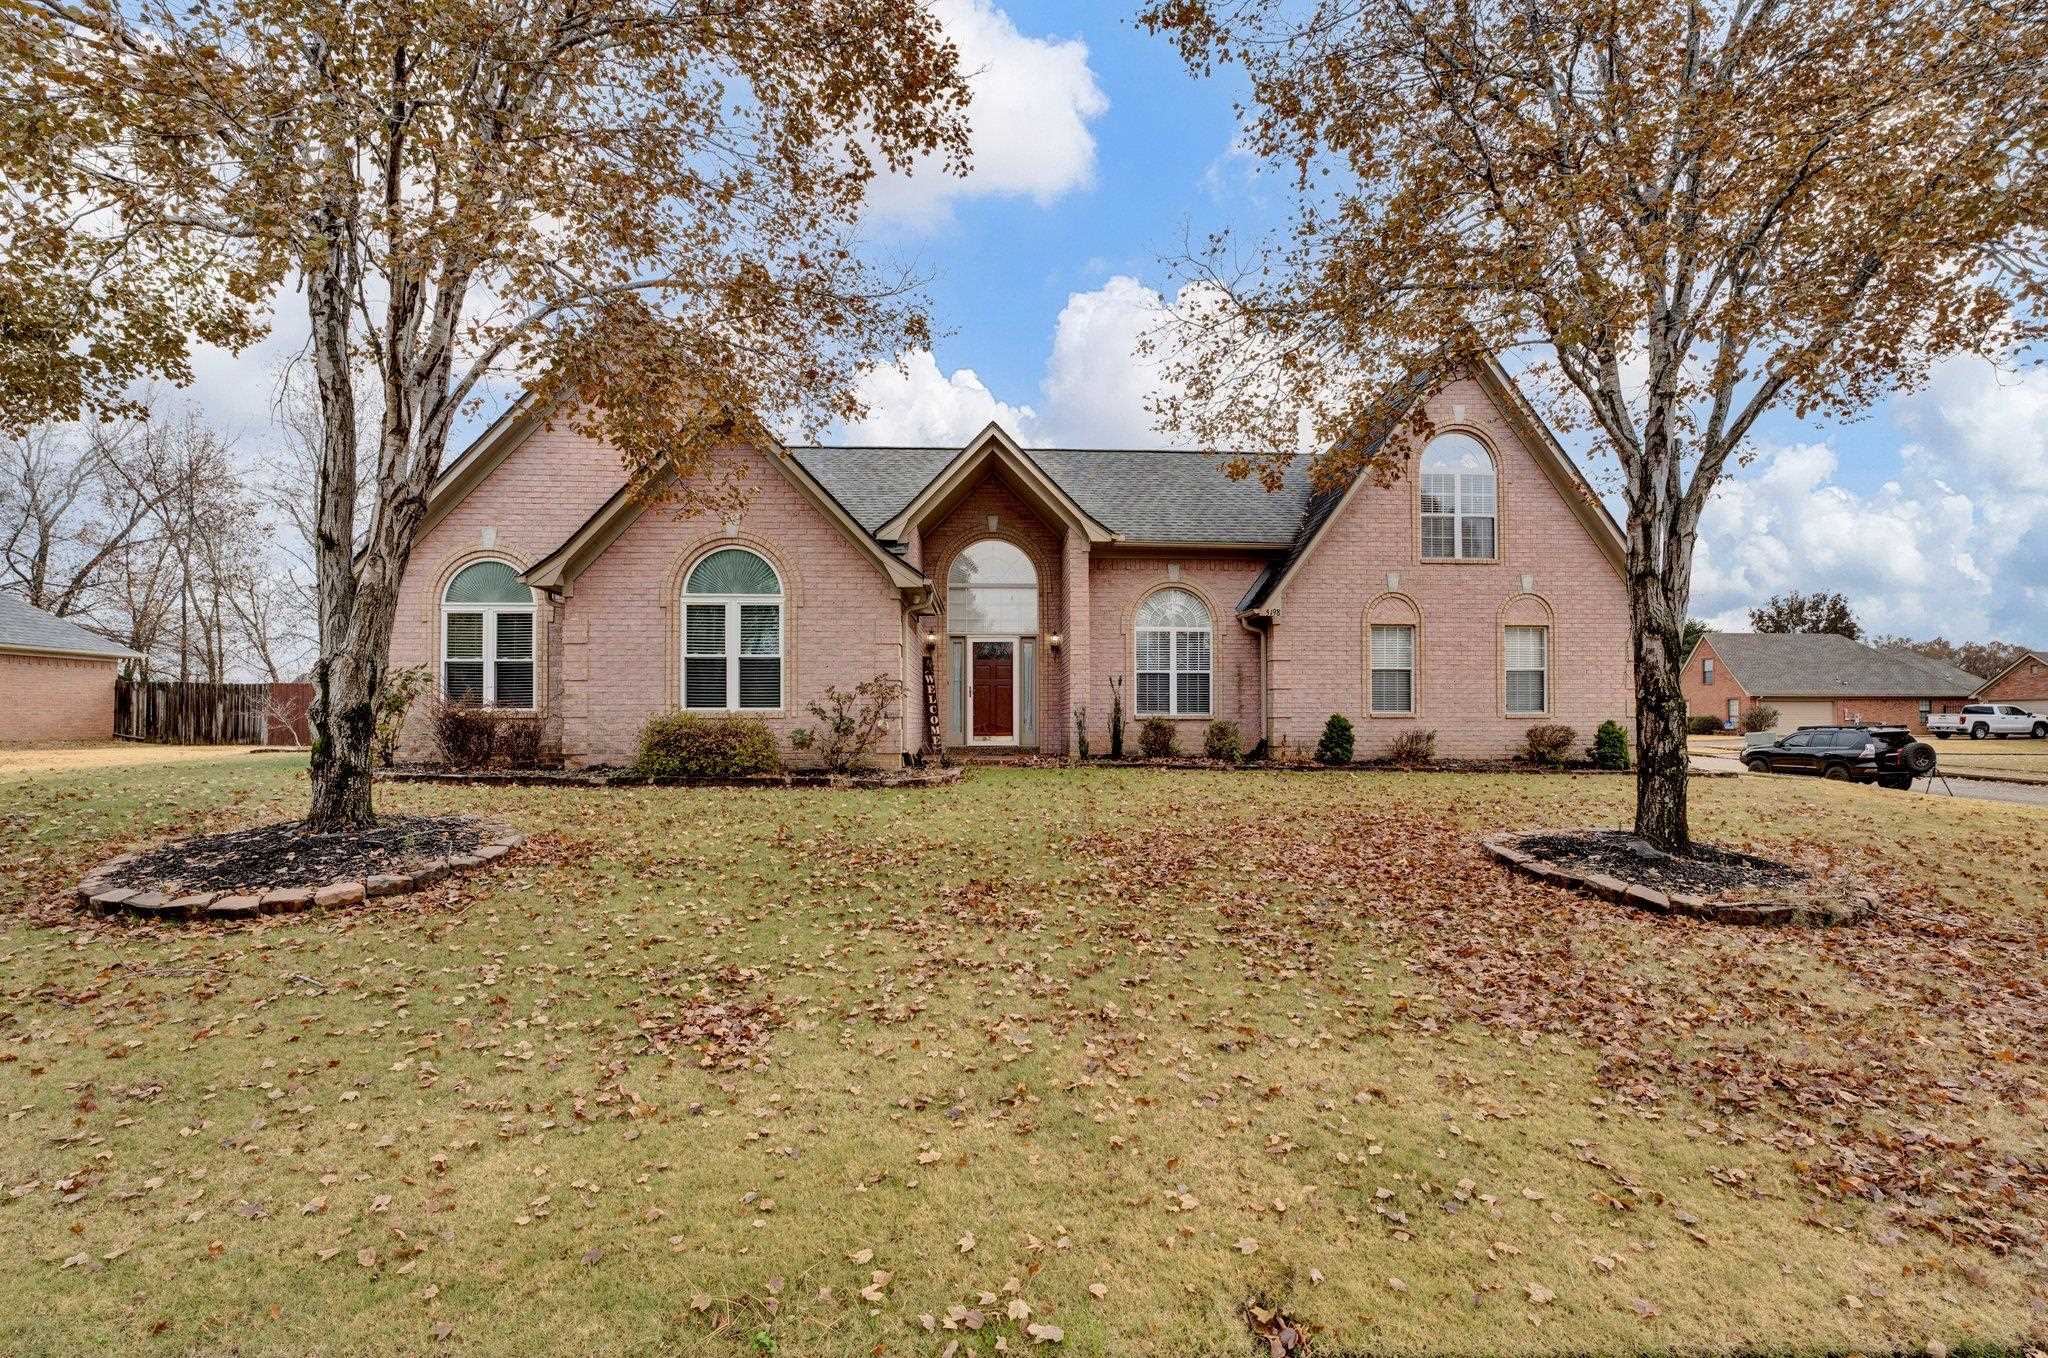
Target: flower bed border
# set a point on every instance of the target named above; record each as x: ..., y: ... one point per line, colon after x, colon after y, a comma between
x: 98, y: 893
x: 1846, y: 904
x: 615, y: 777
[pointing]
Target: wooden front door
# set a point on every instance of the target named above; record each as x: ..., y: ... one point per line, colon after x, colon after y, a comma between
x: 995, y: 691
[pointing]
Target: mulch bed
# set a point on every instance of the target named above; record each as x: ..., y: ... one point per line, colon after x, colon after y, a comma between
x: 1705, y: 871
x: 1709, y: 883
x: 286, y: 855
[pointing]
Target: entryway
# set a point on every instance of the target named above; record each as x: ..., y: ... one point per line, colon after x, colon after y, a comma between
x: 992, y: 691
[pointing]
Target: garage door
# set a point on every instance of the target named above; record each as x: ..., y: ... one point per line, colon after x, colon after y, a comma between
x: 1794, y: 713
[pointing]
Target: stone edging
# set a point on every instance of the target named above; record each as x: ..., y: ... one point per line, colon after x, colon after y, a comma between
x: 99, y: 893
x: 910, y: 778
x: 1844, y: 906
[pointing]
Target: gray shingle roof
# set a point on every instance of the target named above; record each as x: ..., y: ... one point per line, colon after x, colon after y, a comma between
x: 1145, y: 494
x: 1820, y: 665
x: 24, y: 627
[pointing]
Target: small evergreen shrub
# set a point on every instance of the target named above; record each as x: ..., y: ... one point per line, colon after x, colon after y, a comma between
x: 1760, y: 717
x: 690, y: 745
x: 1700, y: 724
x: 1610, y: 746
x: 1223, y: 741
x: 1156, y: 738
x: 1549, y: 742
x: 1413, y: 747
x: 1336, y: 745
x: 1116, y: 717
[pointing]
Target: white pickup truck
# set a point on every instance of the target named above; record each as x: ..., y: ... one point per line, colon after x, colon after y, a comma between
x: 1979, y: 720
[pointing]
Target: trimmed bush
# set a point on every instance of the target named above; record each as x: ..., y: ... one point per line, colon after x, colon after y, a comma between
x: 472, y: 737
x: 1413, y: 747
x: 1157, y: 738
x: 690, y: 745
x: 1760, y: 717
x: 1336, y: 745
x: 1223, y: 741
x: 1610, y: 746
x: 1700, y: 724
x: 1549, y: 742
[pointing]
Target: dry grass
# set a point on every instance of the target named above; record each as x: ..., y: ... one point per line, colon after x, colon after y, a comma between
x: 1423, y: 1105
x: 25, y: 761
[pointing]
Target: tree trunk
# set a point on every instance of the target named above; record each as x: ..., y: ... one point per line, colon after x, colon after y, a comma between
x: 344, y: 725
x: 1661, y: 758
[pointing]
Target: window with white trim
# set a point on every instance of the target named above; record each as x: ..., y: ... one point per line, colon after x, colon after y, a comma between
x: 1393, y: 669
x: 1459, y: 501
x: 1706, y: 669
x: 1735, y: 709
x: 1174, y: 655
x: 487, y: 637
x: 732, y: 634
x: 1528, y: 670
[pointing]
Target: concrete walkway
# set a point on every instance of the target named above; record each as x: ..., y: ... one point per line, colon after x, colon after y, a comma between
x: 1974, y: 789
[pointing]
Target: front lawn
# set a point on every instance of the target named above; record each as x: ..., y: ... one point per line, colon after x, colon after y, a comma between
x: 1108, y: 1053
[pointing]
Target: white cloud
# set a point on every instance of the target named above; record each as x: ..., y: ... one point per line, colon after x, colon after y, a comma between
x: 1092, y: 394
x: 1956, y: 545
x: 1033, y: 101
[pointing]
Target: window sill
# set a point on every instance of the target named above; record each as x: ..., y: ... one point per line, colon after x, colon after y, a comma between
x: 1392, y: 716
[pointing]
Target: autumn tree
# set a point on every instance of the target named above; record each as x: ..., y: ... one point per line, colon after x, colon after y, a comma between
x: 1985, y: 659
x: 638, y: 210
x: 1816, y: 612
x: 1677, y: 216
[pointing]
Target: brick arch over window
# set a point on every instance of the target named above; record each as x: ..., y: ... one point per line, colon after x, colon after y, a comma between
x: 1518, y: 613
x: 1392, y: 609
x: 1047, y: 572
x: 677, y: 578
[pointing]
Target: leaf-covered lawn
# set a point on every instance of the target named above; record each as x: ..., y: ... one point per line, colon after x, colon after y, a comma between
x: 1087, y: 1060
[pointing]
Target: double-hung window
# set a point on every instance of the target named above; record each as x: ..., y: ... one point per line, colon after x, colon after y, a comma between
x: 732, y: 634
x: 1174, y: 646
x: 1393, y: 670
x: 1459, y: 501
x: 1706, y: 669
x: 1528, y: 670
x: 487, y: 637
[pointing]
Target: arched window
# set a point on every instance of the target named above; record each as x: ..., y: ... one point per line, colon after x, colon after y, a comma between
x: 732, y: 634
x: 992, y: 588
x: 1174, y: 636
x: 487, y: 637
x: 1458, y: 500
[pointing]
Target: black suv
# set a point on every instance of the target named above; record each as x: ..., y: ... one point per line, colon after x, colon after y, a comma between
x: 1885, y: 755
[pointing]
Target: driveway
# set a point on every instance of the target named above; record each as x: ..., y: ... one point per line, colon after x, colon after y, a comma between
x: 1976, y: 789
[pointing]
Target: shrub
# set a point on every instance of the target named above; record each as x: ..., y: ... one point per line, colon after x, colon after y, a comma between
x: 1413, y: 747
x: 1116, y: 717
x: 1156, y: 738
x: 1760, y: 717
x: 854, y: 722
x: 1700, y: 724
x: 1610, y: 746
x: 690, y: 745
x: 402, y: 688
x: 1081, y: 732
x: 1549, y: 742
x: 1223, y: 741
x: 1336, y: 745
x: 473, y: 737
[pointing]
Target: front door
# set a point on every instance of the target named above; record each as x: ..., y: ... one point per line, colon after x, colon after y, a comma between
x: 994, y: 686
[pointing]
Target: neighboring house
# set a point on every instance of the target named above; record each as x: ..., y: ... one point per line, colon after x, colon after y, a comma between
x: 1008, y: 587
x: 2024, y: 683
x: 1816, y: 679
x: 56, y: 678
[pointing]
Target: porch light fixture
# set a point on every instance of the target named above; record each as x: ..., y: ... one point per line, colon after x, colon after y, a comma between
x: 1052, y: 639
x: 931, y: 641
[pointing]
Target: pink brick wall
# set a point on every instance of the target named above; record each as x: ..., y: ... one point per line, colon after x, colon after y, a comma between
x: 1319, y: 660
x: 843, y: 619
x: 55, y: 698
x: 1117, y: 583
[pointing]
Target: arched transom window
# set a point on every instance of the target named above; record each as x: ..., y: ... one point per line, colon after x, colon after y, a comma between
x: 732, y: 634
x: 487, y: 637
x: 1174, y: 644
x: 992, y: 589
x: 1458, y: 500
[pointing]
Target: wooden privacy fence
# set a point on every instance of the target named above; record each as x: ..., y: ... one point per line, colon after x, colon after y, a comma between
x: 172, y: 713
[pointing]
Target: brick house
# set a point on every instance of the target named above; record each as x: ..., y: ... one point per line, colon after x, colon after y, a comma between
x: 1815, y: 679
x: 2024, y: 682
x: 1009, y: 589
x: 56, y: 678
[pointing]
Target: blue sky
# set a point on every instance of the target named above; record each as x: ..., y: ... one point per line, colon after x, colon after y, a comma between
x: 1096, y: 152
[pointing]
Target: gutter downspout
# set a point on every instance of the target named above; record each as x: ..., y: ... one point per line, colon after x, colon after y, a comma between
x: 1251, y: 623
